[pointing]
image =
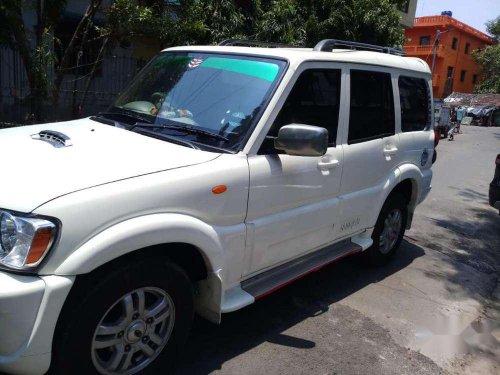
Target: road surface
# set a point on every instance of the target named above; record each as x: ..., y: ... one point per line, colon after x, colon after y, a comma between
x: 432, y: 310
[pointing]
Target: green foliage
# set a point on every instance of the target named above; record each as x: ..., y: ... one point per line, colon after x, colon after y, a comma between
x: 43, y: 58
x: 281, y: 22
x: 493, y: 28
x: 184, y: 22
x: 126, y: 19
x: 369, y: 21
x: 489, y: 58
x: 222, y: 19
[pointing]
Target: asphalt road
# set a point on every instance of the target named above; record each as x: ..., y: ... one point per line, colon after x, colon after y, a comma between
x: 432, y: 310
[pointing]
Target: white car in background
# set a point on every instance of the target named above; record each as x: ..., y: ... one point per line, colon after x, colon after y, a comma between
x: 220, y: 174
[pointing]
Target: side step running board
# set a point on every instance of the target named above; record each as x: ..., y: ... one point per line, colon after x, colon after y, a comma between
x: 269, y: 281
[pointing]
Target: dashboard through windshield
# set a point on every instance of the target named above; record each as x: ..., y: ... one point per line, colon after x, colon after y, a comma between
x: 221, y: 94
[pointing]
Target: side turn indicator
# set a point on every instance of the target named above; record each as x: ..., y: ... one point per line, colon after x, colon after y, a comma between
x: 219, y: 189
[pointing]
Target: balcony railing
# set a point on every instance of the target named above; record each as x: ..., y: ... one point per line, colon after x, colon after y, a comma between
x: 423, y: 50
x: 450, y: 21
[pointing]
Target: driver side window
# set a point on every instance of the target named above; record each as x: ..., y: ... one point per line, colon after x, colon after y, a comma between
x: 314, y: 100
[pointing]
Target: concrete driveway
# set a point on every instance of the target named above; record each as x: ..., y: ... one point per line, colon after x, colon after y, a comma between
x: 432, y: 310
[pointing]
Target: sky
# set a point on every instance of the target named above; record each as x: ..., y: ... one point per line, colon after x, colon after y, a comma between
x: 472, y: 12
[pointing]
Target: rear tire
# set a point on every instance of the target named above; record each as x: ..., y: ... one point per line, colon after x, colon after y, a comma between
x: 144, y: 310
x: 388, y: 232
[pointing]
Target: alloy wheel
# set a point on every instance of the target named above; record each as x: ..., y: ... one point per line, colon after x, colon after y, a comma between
x: 133, y: 331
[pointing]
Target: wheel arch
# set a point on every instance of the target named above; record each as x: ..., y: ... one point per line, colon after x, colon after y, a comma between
x: 195, y: 246
x: 158, y: 234
x: 409, y: 187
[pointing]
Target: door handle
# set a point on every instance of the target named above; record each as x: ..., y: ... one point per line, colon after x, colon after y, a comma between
x: 323, y: 165
x: 390, y: 151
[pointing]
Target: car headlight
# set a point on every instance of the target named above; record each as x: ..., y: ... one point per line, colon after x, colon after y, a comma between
x: 24, y: 241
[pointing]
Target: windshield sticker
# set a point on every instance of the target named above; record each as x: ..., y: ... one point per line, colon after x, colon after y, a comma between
x: 194, y: 63
x: 259, y: 69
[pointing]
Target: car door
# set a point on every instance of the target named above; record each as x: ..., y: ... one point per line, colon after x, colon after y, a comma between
x: 371, y: 147
x: 293, y: 199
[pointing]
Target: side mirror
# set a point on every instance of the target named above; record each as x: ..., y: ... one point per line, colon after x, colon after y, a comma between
x: 302, y: 140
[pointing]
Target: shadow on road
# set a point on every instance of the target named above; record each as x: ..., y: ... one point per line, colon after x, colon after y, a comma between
x: 470, y: 238
x: 210, y: 345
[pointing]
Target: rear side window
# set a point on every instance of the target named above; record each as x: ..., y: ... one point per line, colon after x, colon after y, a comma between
x: 415, y: 104
x: 372, y: 106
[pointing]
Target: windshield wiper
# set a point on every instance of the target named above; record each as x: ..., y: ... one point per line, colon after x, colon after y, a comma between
x: 182, y: 128
x: 167, y: 138
x: 127, y: 115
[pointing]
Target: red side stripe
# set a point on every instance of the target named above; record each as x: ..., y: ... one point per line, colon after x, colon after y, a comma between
x: 272, y: 290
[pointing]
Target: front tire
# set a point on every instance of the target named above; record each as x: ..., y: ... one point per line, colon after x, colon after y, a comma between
x: 388, y: 232
x: 131, y: 320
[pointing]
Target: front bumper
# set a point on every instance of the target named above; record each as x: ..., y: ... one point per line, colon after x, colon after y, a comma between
x: 29, y: 309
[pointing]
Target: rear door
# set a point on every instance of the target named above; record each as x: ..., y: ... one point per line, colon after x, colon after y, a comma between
x: 416, y: 135
x: 292, y: 207
x: 371, y: 147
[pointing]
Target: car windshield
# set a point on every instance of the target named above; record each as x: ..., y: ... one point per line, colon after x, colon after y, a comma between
x: 206, y: 93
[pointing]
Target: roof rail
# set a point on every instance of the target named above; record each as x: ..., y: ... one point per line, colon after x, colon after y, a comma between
x: 253, y: 43
x: 327, y: 45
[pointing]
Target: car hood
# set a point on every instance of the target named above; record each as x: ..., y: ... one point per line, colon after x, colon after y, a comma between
x: 34, y: 171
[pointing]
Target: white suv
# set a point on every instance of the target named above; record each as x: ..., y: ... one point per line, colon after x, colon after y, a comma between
x: 221, y: 174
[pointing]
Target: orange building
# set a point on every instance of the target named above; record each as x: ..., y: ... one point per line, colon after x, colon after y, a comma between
x: 455, y: 68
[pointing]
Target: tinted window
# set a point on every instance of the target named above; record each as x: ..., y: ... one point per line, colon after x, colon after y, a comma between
x: 314, y: 100
x: 372, y: 106
x: 415, y: 103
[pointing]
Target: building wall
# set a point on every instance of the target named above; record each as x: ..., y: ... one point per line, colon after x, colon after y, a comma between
x: 408, y: 13
x: 451, y: 52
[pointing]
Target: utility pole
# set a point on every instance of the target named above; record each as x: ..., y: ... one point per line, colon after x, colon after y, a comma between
x: 436, y: 45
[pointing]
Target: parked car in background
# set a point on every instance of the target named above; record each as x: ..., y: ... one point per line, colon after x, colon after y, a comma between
x: 494, y: 193
x: 221, y: 174
x: 442, y: 117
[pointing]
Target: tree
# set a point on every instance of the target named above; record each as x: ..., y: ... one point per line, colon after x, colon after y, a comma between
x: 368, y: 21
x: 295, y: 22
x: 43, y: 53
x: 489, y: 58
x: 36, y: 60
x: 281, y: 21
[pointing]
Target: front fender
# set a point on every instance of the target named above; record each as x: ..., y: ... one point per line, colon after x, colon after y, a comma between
x: 150, y: 230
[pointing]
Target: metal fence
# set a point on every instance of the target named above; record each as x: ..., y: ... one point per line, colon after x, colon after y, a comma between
x: 114, y: 72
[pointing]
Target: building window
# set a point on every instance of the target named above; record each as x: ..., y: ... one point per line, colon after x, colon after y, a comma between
x: 404, y: 6
x: 449, y: 73
x: 474, y: 79
x: 425, y: 40
x: 467, y: 48
x: 454, y: 43
x: 462, y: 75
